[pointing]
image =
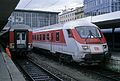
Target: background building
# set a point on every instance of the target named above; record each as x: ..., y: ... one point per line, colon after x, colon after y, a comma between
x: 33, y: 18
x: 71, y: 14
x: 79, y: 12
x: 97, y: 7
x: 67, y: 15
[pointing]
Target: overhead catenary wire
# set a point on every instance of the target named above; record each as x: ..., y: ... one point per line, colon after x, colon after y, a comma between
x: 27, y: 3
x: 52, y: 4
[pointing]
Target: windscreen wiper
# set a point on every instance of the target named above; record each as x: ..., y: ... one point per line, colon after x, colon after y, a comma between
x: 90, y: 34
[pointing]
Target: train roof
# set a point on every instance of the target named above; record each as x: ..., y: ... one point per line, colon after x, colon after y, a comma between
x: 76, y: 23
x: 20, y: 27
x: 67, y: 25
x: 46, y: 28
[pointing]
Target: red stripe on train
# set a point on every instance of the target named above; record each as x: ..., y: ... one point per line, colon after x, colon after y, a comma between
x: 30, y: 37
x: 11, y: 37
x: 52, y: 36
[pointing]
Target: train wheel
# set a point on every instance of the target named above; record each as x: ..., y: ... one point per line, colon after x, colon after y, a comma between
x: 65, y: 58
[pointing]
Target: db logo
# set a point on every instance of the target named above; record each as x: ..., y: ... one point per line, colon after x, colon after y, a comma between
x: 96, y: 48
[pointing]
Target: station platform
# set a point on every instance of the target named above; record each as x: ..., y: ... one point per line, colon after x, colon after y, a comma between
x: 8, y: 70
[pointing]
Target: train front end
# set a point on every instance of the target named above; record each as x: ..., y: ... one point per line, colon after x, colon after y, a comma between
x: 92, y: 46
x: 20, y: 39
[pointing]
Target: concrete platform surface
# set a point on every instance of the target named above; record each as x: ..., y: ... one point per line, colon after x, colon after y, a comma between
x: 8, y: 70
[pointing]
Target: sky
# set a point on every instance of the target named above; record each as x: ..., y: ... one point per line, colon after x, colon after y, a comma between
x: 49, y: 5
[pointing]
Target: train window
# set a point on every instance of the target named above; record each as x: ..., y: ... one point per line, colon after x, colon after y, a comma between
x: 33, y: 37
x: 37, y: 37
x: 69, y: 33
x: 51, y: 36
x: 48, y: 36
x: 88, y: 32
x: 40, y: 36
x: 57, y: 36
x: 43, y: 36
x: 23, y: 36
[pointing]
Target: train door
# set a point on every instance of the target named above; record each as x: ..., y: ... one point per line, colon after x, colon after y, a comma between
x: 20, y: 39
x: 51, y: 45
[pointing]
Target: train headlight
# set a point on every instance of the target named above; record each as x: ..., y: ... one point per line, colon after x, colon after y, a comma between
x: 85, y: 47
x: 29, y: 45
x: 11, y: 45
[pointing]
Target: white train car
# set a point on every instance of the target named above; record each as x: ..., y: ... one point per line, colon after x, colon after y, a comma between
x: 78, y: 41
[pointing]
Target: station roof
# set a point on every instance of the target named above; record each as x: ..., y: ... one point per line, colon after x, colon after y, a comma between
x: 36, y: 11
x: 6, y: 8
x: 109, y: 20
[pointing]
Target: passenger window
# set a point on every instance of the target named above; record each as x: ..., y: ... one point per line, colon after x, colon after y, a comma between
x: 48, y: 36
x: 33, y: 37
x: 37, y: 37
x: 23, y: 36
x: 57, y: 36
x: 43, y: 36
x: 69, y: 33
x: 40, y: 36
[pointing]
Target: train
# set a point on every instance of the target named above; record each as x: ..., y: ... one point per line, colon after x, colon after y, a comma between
x: 75, y: 41
x: 20, y: 39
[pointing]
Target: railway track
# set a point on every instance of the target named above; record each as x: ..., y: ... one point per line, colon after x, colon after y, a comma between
x: 35, y: 72
x: 106, y: 74
x: 113, y: 76
x: 55, y: 71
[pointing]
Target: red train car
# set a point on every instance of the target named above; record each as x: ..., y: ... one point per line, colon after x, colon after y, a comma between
x: 20, y: 38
